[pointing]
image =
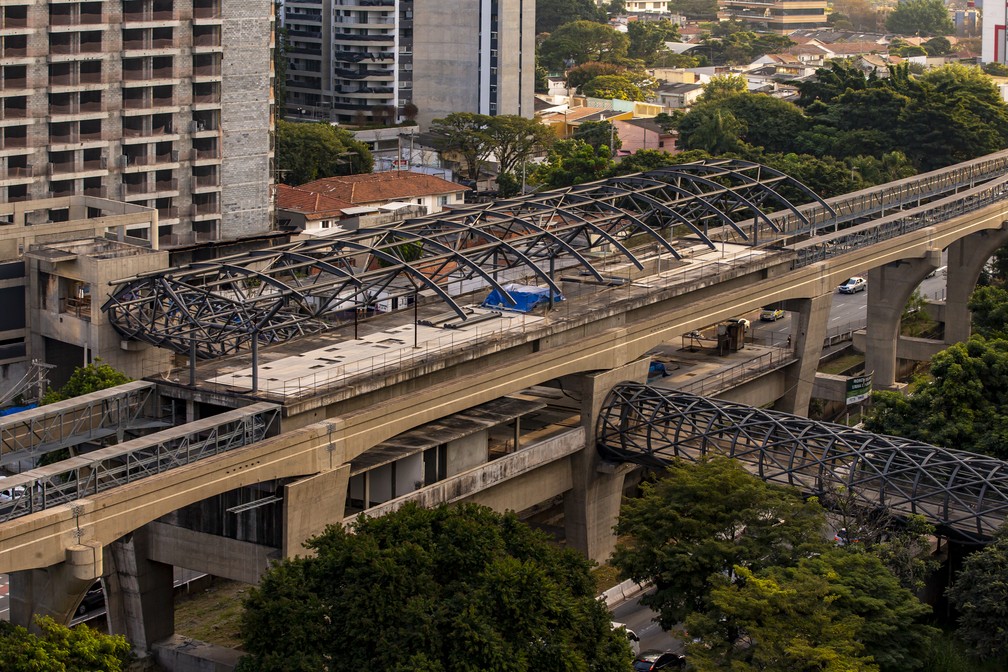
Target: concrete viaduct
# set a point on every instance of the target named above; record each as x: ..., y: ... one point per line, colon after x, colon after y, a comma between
x: 338, y: 428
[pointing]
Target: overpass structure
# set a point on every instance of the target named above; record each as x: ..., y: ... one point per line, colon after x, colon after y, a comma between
x: 963, y: 494
x: 641, y: 260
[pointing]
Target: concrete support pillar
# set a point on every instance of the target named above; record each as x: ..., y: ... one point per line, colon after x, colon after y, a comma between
x: 809, y: 318
x: 55, y: 591
x: 889, y: 288
x: 139, y: 593
x: 966, y: 258
x: 592, y: 506
x: 312, y: 503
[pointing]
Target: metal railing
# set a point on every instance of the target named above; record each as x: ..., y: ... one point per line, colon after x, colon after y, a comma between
x: 115, y: 466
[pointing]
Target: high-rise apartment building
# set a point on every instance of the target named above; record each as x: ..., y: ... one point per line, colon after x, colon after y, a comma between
x: 361, y: 61
x: 162, y: 103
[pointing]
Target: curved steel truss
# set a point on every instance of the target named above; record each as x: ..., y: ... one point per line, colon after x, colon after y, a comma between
x: 961, y: 493
x: 273, y: 295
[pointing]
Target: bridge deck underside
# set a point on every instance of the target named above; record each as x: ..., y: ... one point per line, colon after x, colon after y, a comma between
x: 961, y: 493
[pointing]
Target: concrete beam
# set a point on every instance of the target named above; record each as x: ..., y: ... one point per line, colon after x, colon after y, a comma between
x: 592, y: 506
x: 889, y: 289
x: 54, y: 591
x: 310, y: 504
x: 230, y: 559
x: 809, y: 318
x: 139, y: 592
x: 966, y: 259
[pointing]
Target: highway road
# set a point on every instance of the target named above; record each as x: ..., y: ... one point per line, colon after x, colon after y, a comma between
x: 641, y: 621
x: 848, y: 311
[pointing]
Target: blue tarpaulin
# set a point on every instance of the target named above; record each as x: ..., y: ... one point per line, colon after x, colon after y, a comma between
x: 527, y: 298
x: 15, y: 409
x: 657, y: 369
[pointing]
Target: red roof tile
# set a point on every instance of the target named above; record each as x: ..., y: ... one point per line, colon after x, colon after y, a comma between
x: 383, y: 187
x: 312, y: 205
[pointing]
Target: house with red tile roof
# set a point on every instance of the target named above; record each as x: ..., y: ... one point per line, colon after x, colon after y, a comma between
x: 374, y: 190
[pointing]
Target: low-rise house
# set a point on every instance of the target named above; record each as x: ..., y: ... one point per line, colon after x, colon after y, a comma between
x: 430, y: 192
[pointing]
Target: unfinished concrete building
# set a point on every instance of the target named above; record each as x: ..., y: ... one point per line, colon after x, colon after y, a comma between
x: 160, y: 103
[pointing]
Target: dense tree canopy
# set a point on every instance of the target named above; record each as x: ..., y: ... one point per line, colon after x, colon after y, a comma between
x: 920, y: 17
x: 964, y: 406
x: 512, y: 139
x: 58, y: 648
x: 619, y: 87
x: 446, y: 589
x: 648, y: 38
x: 85, y: 379
x: 580, y: 42
x: 980, y: 595
x: 551, y: 14
x: 306, y: 152
x: 695, y: 9
x: 681, y: 538
x: 836, y: 610
x: 572, y: 162
x: 599, y: 134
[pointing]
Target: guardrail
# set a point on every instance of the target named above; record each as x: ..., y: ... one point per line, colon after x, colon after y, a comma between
x: 107, y: 468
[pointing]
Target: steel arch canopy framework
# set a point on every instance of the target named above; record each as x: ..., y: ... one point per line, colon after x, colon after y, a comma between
x: 273, y: 295
x: 962, y: 493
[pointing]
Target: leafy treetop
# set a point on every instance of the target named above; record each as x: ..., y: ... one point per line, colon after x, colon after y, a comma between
x: 444, y: 589
x: 86, y: 379
x: 58, y: 648
x: 979, y: 594
x: 312, y: 151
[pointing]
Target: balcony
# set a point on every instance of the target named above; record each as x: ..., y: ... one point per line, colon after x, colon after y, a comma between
x: 13, y: 46
x: 206, y: 9
x: 79, y: 307
x: 201, y: 182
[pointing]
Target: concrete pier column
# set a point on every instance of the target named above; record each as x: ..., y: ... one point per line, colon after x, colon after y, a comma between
x: 889, y: 288
x: 966, y: 258
x: 312, y: 503
x: 809, y: 318
x: 139, y: 593
x: 592, y: 506
x: 55, y: 591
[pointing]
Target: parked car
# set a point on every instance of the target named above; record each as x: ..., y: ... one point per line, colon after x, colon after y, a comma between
x: 631, y: 636
x: 770, y: 314
x: 8, y: 494
x: 653, y: 660
x: 852, y: 285
x: 94, y: 598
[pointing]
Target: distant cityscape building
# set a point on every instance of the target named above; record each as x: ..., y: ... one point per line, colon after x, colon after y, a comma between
x: 364, y: 61
x: 777, y: 16
x: 159, y: 103
x: 994, y: 43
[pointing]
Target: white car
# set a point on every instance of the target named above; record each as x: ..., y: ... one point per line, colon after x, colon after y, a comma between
x: 852, y: 285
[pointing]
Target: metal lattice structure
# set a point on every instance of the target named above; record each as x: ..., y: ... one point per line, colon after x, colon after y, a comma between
x: 107, y: 468
x: 272, y: 295
x: 962, y: 493
x: 90, y: 418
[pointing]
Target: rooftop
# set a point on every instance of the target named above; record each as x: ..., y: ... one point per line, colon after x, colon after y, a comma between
x: 381, y: 187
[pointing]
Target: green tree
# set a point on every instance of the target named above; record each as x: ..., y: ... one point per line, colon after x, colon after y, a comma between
x: 616, y: 7
x: 837, y: 610
x: 644, y: 160
x: 580, y: 75
x: 468, y: 135
x: 712, y: 130
x: 580, y: 42
x: 698, y: 522
x: 648, y: 38
x: 620, y: 87
x: 989, y: 307
x: 964, y: 406
x: 599, y: 134
x: 920, y: 17
x: 551, y: 14
x: 938, y: 46
x: 995, y: 69
x: 722, y: 86
x: 307, y: 152
x: 979, y: 594
x: 514, y: 139
x: 58, y: 648
x: 86, y: 379
x: 444, y: 589
x: 771, y: 623
x: 572, y: 162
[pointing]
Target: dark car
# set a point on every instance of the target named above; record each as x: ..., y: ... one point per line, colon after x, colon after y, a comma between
x: 653, y: 660
x: 94, y: 598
